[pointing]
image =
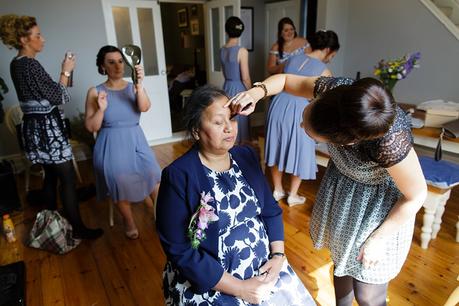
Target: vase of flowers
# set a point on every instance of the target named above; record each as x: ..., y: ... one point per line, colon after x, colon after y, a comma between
x: 390, y: 72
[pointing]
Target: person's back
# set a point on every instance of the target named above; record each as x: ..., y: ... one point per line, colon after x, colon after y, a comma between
x: 304, y: 65
x: 287, y: 149
x: 235, y: 68
x: 230, y: 64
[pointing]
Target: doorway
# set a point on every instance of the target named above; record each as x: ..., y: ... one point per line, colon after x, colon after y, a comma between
x: 123, y: 21
x: 184, y: 46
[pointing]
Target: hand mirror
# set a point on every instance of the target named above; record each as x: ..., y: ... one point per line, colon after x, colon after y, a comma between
x: 132, y: 56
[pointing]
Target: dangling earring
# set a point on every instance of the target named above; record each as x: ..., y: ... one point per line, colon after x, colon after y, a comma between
x: 103, y: 71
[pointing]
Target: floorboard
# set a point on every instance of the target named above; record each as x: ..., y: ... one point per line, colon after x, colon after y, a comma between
x: 114, y: 270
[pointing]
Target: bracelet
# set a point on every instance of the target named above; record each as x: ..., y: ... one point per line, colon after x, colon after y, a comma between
x: 262, y: 86
x: 276, y: 254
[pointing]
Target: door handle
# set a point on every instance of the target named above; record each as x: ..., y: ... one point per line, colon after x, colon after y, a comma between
x: 163, y: 72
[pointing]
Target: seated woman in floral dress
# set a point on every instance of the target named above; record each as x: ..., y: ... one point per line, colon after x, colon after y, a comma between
x: 225, y: 245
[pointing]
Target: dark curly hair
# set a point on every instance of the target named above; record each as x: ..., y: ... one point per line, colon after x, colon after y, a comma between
x: 352, y: 113
x: 101, y: 56
x: 14, y: 27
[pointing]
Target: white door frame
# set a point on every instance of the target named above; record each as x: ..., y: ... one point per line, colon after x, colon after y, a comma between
x: 155, y: 125
x: 215, y: 77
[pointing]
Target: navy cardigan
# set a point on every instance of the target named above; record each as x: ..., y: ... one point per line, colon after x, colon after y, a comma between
x: 179, y: 196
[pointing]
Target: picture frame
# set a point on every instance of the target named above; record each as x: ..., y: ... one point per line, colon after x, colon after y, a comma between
x: 182, y: 17
x: 247, y: 36
x: 194, y: 10
x: 194, y: 25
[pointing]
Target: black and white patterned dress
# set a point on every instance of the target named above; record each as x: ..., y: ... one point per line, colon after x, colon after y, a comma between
x: 243, y: 248
x: 355, y: 196
x: 43, y: 131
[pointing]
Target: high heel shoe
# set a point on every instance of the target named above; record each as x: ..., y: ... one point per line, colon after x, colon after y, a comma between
x: 132, y: 234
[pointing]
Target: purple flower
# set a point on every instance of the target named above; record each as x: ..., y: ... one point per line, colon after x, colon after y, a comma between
x: 397, y: 69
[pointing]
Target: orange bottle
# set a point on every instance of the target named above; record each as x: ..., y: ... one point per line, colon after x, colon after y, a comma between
x: 8, y: 228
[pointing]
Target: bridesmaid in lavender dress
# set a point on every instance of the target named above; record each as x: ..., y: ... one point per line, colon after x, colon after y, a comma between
x: 235, y: 67
x: 125, y: 166
x: 287, y: 148
x: 288, y: 44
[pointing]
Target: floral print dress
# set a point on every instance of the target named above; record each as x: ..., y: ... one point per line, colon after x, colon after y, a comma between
x: 243, y: 248
x: 355, y: 196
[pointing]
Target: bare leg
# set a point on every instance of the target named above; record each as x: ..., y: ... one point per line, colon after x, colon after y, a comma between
x: 151, y: 200
x: 126, y: 212
x: 153, y: 197
x: 295, y: 183
x: 277, y: 178
x: 294, y: 198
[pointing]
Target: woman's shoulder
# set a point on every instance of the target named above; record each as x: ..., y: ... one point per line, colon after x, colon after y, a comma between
x: 25, y: 61
x: 401, y: 122
x: 92, y: 91
x: 274, y: 47
x: 243, y: 51
x: 300, y: 41
x: 245, y: 152
x: 395, y: 144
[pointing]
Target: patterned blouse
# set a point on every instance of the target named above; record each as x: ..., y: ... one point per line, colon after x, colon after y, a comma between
x: 43, y: 130
x: 355, y: 196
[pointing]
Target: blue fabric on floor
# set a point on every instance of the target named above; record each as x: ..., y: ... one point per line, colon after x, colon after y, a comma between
x: 441, y: 174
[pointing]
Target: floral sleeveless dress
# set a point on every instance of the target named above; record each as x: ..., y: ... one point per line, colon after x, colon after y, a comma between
x: 356, y: 195
x: 243, y: 248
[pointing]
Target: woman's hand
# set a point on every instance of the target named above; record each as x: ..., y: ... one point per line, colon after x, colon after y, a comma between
x: 254, y: 289
x: 140, y: 76
x: 244, y: 102
x: 371, y: 252
x: 272, y: 269
x: 102, y: 100
x: 68, y: 64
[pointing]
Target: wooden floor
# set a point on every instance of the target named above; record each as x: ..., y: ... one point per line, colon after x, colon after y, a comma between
x: 116, y: 271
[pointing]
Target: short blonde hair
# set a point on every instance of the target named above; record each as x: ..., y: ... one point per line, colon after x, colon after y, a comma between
x: 14, y: 27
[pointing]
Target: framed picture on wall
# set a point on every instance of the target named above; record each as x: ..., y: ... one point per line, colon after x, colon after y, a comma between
x: 194, y: 10
x: 194, y: 24
x: 247, y: 35
x: 182, y: 16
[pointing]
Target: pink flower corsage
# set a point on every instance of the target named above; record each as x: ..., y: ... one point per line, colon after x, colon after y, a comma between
x: 204, y: 215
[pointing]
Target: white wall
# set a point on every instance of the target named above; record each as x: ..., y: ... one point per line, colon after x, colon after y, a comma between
x: 333, y: 15
x: 257, y: 56
x: 375, y: 30
x: 66, y: 25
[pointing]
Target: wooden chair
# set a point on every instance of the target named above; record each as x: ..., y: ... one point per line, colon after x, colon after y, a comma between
x: 439, y: 183
x: 13, y: 122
